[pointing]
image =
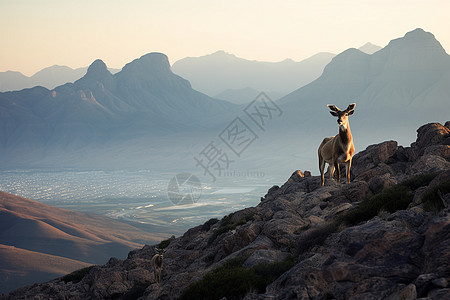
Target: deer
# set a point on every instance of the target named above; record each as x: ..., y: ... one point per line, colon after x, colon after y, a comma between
x: 338, y: 149
x: 157, y: 263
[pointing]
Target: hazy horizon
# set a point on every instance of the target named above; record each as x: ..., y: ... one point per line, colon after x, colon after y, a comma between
x: 118, y: 32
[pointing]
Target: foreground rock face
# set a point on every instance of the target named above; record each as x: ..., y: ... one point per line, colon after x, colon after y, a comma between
x: 404, y: 254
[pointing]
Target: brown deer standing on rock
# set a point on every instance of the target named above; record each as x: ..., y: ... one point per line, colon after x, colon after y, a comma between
x: 157, y: 263
x: 339, y: 148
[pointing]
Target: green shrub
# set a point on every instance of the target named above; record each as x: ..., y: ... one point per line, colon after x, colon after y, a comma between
x: 316, y: 236
x: 418, y: 181
x: 209, y: 223
x: 77, y: 276
x: 392, y: 199
x: 233, y: 281
x: 164, y: 244
x: 431, y: 199
x: 227, y: 224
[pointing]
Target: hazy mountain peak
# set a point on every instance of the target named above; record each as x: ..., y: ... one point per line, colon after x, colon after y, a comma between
x: 97, y: 71
x: 369, y: 48
x: 416, y: 50
x: 348, y: 56
x: 419, y: 39
x: 154, y: 61
x: 222, y: 54
x: 97, y: 67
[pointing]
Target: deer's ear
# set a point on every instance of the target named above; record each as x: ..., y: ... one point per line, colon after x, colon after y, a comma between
x: 351, y: 107
x: 350, y: 112
x: 335, y: 114
x: 333, y: 108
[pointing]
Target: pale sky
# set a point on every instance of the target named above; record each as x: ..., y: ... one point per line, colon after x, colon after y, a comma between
x: 35, y: 34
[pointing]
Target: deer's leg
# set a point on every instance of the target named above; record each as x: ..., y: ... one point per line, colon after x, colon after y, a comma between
x: 331, y: 170
x: 321, y: 169
x: 336, y: 166
x: 347, y: 169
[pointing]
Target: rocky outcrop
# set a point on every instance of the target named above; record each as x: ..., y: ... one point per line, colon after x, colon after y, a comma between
x: 344, y: 243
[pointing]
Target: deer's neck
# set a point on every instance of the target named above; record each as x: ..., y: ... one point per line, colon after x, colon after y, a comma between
x: 345, y: 135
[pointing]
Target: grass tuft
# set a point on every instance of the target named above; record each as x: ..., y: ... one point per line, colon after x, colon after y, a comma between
x: 418, y: 181
x: 392, y: 199
x: 233, y: 281
x: 164, y: 244
x: 316, y: 236
x: 77, y: 276
x: 431, y: 199
x: 228, y: 223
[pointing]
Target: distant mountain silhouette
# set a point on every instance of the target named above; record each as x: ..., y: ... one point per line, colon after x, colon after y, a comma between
x: 100, y: 109
x: 220, y: 71
x: 147, y: 116
x: 369, y: 48
x: 405, y: 83
x: 50, y: 78
x: 39, y: 242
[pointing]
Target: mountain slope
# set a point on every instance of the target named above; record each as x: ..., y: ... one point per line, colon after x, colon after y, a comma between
x: 57, y: 241
x: 385, y: 235
x: 220, y: 71
x: 20, y: 267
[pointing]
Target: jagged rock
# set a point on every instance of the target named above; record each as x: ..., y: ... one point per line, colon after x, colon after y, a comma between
x: 381, y: 182
x: 407, y: 293
x: 428, y: 164
x: 355, y: 190
x: 372, y: 157
x: 440, y: 282
x: 400, y: 255
x: 439, y: 150
x: 441, y: 178
x: 429, y: 135
x: 265, y: 256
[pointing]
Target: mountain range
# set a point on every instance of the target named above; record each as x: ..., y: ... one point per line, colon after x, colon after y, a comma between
x: 145, y: 99
x: 57, y: 75
x: 215, y: 73
x: 147, y: 116
x: 39, y: 242
x: 50, y: 78
x: 404, y: 84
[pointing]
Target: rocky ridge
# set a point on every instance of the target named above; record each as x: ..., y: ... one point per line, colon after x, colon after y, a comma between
x: 385, y: 235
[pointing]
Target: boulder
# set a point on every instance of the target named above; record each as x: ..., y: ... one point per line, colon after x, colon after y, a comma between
x: 372, y: 157
x: 428, y: 164
x: 429, y: 135
x: 265, y: 256
x: 381, y: 182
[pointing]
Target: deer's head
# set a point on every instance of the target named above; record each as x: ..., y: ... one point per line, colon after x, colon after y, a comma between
x: 160, y: 251
x: 342, y: 115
